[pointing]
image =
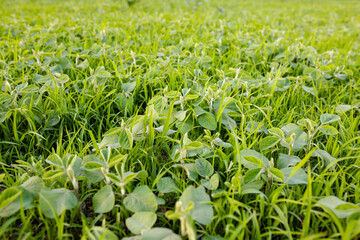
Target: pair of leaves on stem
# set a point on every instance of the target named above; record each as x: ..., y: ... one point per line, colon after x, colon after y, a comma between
x: 258, y: 164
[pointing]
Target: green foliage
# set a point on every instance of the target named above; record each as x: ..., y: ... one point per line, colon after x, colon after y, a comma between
x: 179, y: 119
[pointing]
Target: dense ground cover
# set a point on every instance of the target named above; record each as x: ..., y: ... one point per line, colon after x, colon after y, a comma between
x: 169, y: 119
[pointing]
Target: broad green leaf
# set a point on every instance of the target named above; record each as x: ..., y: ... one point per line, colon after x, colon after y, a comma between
x: 253, y: 185
x: 129, y: 87
x: 268, y: 142
x: 112, y: 141
x: 166, y: 185
x: 57, y: 200
x: 190, y: 170
x: 104, y: 200
x: 341, y: 208
x: 341, y: 76
x: 103, y: 74
x: 309, y: 124
x: 141, y: 200
x: 252, y: 175
x: 199, y: 111
x: 212, y: 183
x: 115, y: 179
x: 129, y: 176
x: 202, y: 211
x: 328, y: 130
x: 301, y: 138
x: 53, y: 174
x: 180, y: 115
x: 342, y: 108
x: 277, y: 174
x: 324, y: 155
x: 221, y: 143
x: 329, y: 118
x: 277, y: 132
x: 160, y: 234
x: 12, y: 199
x: 299, y: 177
x: 252, y: 159
x: 287, y: 161
x: 203, y: 168
x: 207, y: 121
x: 92, y: 176
x: 30, y: 89
x: 140, y: 222
x: 193, y: 146
x: 100, y: 233
x: 309, y: 90
x: 256, y: 126
x: 93, y: 166
x: 126, y: 139
x: 112, y: 131
x: 117, y: 159
x: 33, y: 185
x: 55, y: 160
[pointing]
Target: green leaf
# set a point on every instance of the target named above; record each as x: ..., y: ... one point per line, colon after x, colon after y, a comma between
x: 299, y: 177
x: 160, y: 234
x: 166, y: 185
x: 341, y: 76
x: 140, y: 222
x: 194, y: 146
x: 277, y: 132
x: 255, y: 126
x: 117, y: 159
x: 55, y: 202
x: 221, y: 143
x: 93, y: 176
x: 141, y: 200
x: 103, y: 74
x: 33, y: 185
x: 301, y: 138
x: 112, y: 131
x: 341, y: 208
x: 324, y: 155
x: 342, y: 108
x: 329, y: 118
x: 212, y: 183
x: 12, y: 199
x: 253, y: 159
x: 252, y: 175
x: 180, y: 115
x: 328, y: 130
x: 100, y: 233
x: 202, y: 211
x: 93, y: 166
x: 53, y: 174
x: 268, y: 142
x: 126, y: 139
x: 277, y: 174
x: 287, y: 161
x: 203, y: 168
x: 129, y: 176
x: 55, y: 160
x: 207, y: 121
x: 309, y: 90
x: 190, y: 170
x: 104, y: 200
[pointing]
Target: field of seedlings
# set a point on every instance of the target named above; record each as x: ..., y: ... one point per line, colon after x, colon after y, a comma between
x: 179, y: 119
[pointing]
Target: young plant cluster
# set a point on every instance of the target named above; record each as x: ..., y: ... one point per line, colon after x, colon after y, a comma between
x: 175, y: 119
